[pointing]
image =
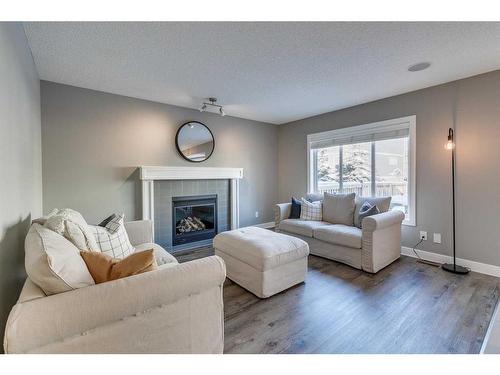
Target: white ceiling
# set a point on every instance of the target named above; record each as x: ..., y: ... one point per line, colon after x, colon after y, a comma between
x: 273, y: 72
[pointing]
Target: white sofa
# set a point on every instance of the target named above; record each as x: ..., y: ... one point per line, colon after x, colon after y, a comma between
x: 175, y: 309
x: 371, y: 248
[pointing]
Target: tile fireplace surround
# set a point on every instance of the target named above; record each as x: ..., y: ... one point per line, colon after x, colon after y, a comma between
x: 161, y: 184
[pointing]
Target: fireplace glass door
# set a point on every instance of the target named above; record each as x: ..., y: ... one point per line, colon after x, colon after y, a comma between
x: 194, y: 218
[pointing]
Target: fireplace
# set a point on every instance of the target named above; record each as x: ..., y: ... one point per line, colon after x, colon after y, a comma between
x: 161, y: 183
x: 194, y: 218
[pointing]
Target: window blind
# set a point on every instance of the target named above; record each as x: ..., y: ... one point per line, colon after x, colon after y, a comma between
x: 360, y: 138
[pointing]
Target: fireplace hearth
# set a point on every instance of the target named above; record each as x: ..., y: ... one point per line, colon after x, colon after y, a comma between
x: 194, y: 218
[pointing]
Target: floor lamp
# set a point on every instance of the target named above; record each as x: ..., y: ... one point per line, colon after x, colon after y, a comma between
x: 454, y: 268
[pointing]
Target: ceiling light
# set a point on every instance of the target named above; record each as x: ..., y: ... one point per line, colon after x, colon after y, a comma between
x: 419, y: 67
x: 212, y: 104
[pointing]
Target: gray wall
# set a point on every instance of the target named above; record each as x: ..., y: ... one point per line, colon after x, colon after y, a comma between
x: 20, y: 159
x: 93, y: 143
x: 472, y: 106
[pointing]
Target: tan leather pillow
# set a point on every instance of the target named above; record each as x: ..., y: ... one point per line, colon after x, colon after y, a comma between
x: 104, y: 268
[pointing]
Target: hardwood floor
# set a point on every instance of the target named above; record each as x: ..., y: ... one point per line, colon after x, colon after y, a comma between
x: 408, y: 307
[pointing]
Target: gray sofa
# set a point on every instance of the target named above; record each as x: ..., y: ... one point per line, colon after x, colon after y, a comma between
x: 371, y: 248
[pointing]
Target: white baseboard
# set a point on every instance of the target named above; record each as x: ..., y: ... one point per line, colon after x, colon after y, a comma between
x: 487, y: 269
x: 267, y: 225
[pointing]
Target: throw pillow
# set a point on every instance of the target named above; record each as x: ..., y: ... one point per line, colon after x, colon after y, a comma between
x: 314, y: 197
x: 339, y: 208
x: 107, y: 220
x: 71, y: 224
x: 382, y: 203
x: 104, y: 268
x: 42, y: 220
x: 366, y: 210
x: 54, y: 263
x: 311, y: 210
x: 113, y: 239
x: 295, y: 211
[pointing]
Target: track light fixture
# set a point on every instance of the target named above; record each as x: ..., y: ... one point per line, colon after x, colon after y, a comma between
x: 212, y: 103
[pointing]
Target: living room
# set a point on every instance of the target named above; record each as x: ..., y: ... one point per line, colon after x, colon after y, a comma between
x: 249, y: 187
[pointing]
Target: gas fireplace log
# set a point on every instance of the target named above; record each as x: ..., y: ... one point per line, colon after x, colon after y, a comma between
x: 190, y: 224
x: 187, y: 223
x: 199, y: 222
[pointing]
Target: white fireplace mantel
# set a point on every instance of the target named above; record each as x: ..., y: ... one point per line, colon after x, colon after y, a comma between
x: 150, y: 174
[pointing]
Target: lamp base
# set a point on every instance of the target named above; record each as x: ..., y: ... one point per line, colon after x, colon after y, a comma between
x: 453, y: 268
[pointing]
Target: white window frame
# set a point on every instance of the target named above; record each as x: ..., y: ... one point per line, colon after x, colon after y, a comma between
x: 407, y: 122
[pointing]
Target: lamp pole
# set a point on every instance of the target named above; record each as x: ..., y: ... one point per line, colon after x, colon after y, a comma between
x: 454, y: 268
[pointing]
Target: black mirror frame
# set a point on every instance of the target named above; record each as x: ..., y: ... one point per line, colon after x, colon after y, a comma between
x: 177, y: 142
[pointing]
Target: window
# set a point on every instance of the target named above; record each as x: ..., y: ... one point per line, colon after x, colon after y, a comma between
x: 375, y: 160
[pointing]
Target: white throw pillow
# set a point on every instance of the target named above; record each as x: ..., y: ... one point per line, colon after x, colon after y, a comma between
x: 311, y: 210
x: 53, y: 263
x: 71, y: 224
x: 113, y: 238
x: 43, y: 219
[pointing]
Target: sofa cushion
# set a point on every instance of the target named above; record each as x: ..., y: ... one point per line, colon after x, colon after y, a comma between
x: 338, y: 234
x: 54, y: 263
x: 162, y: 256
x: 382, y: 203
x: 339, y: 208
x: 260, y: 248
x: 301, y: 227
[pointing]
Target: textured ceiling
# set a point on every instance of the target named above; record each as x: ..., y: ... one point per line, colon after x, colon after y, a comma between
x: 272, y: 72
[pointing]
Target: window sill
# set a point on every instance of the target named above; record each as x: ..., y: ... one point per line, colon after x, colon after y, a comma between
x: 408, y: 223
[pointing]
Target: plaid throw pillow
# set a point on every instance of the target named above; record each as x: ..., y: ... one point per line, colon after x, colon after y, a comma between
x: 311, y: 210
x: 112, y: 239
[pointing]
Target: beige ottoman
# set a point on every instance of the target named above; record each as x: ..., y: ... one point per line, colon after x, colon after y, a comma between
x: 262, y: 261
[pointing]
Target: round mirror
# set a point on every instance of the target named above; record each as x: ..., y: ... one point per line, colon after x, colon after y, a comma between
x: 194, y: 141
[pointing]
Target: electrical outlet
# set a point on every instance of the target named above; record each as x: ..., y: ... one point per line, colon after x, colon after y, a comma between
x: 437, y: 238
x: 256, y: 213
x: 423, y: 235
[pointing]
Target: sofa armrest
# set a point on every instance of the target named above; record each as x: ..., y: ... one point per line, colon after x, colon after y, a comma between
x: 139, y: 231
x: 383, y: 220
x: 47, y: 324
x: 381, y: 240
x: 281, y: 212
